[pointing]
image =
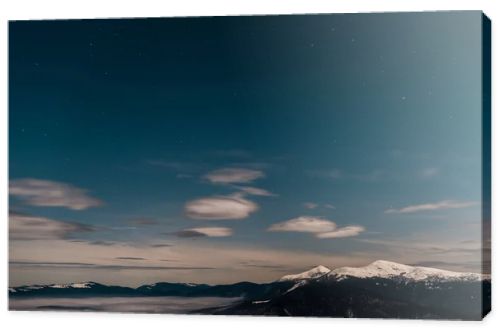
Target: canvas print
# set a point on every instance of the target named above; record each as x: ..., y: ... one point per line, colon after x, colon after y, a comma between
x: 297, y: 165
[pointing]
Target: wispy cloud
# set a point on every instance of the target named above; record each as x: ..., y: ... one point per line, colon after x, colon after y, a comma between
x: 311, y: 205
x: 304, y: 224
x: 25, y: 227
x: 188, y: 257
x: 257, y: 264
x: 130, y: 258
x: 100, y: 243
x: 100, y: 266
x: 320, y: 227
x: 442, y: 205
x: 343, y: 232
x: 220, y: 208
x: 38, y: 192
x: 255, y: 191
x: 161, y: 245
x: 197, y: 232
x: 233, y: 175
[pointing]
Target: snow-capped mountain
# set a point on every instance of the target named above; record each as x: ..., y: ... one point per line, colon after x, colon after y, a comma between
x: 82, y: 285
x: 89, y: 289
x: 313, y: 273
x: 380, y: 289
x: 393, y: 270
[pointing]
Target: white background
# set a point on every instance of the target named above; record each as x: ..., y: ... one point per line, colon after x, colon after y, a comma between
x: 64, y: 322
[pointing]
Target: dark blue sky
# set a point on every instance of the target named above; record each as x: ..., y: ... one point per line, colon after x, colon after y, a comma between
x: 372, y: 122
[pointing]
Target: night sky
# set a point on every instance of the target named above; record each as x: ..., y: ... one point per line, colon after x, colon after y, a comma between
x: 243, y: 148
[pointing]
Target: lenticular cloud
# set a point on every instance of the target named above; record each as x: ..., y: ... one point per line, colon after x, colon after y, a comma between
x: 220, y: 208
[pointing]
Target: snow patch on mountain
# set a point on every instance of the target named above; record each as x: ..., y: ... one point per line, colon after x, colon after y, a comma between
x: 261, y: 301
x: 82, y: 285
x: 296, y: 285
x: 313, y: 273
x: 393, y: 270
x: 26, y: 288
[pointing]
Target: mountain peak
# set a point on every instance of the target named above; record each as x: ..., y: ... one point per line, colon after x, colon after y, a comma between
x: 388, y: 269
x: 315, y: 272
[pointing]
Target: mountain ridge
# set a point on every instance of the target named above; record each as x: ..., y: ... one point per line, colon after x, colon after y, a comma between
x: 385, y: 269
x: 394, y: 270
x: 378, y: 269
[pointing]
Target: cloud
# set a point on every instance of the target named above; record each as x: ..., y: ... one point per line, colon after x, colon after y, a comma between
x: 321, y: 228
x: 50, y: 193
x: 311, y: 205
x: 304, y: 224
x: 184, y: 259
x: 205, y: 232
x: 130, y: 258
x: 25, y: 227
x: 343, y: 232
x: 233, y: 175
x: 161, y: 245
x: 432, y: 206
x: 255, y: 191
x: 220, y: 208
x: 102, y: 243
x: 261, y: 265
x: 100, y: 266
x: 188, y: 234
